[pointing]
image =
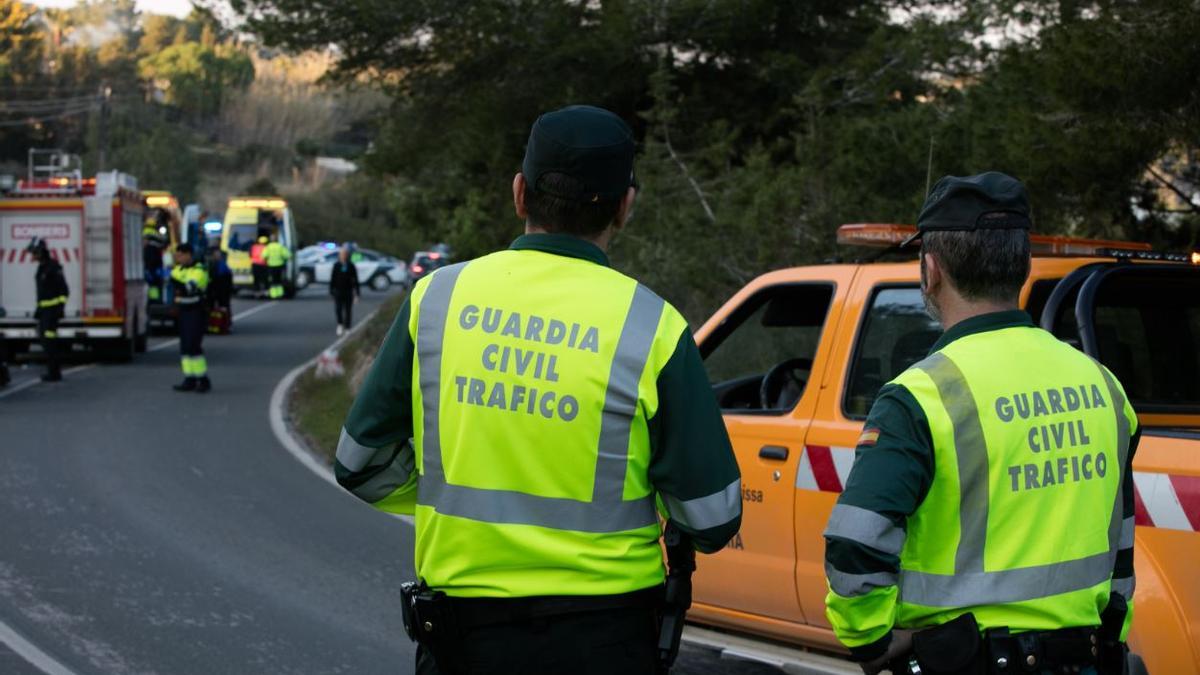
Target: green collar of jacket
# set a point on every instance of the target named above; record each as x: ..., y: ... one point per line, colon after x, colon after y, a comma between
x: 561, y: 244
x: 1012, y: 318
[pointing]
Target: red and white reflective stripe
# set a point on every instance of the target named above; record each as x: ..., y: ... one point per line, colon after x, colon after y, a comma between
x: 1166, y: 501
x: 824, y: 468
x: 22, y: 255
x: 1162, y: 500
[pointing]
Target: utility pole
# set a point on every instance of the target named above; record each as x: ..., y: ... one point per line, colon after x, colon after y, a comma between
x: 102, y: 130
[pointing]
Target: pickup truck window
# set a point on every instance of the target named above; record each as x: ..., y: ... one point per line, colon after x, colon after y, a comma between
x: 760, y: 358
x: 1147, y: 331
x: 895, y: 334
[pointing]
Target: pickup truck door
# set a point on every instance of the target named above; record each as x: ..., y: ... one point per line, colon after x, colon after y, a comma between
x: 883, y: 330
x: 775, y: 326
x: 1142, y: 321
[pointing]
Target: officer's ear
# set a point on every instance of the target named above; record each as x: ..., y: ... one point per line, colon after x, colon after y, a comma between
x: 625, y: 210
x: 519, y: 196
x: 932, y: 275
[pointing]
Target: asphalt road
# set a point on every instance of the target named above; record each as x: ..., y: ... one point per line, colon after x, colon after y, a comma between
x: 147, y: 531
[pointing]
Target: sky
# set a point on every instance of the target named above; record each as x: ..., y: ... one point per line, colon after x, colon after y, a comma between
x: 176, y: 7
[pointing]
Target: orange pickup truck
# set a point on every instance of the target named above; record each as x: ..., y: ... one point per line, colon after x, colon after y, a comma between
x: 797, y: 356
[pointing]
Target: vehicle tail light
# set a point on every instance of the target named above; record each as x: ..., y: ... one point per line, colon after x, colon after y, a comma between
x: 418, y: 269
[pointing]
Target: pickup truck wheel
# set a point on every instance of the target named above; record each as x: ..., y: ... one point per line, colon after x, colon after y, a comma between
x: 380, y: 282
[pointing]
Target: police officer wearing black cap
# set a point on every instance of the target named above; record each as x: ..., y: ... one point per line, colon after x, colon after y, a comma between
x: 554, y: 404
x: 987, y: 523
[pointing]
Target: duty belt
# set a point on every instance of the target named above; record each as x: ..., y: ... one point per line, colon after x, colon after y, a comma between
x: 471, y: 613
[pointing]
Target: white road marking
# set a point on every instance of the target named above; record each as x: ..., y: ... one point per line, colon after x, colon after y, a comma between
x: 284, y: 435
x: 170, y: 342
x: 29, y: 651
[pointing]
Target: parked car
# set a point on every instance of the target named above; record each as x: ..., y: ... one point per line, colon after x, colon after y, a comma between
x: 375, y: 270
x: 424, y: 262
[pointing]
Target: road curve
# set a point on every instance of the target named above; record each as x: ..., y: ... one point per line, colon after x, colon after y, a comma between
x: 145, y: 531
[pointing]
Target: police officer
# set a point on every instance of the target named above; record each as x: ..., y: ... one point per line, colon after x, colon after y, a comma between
x: 275, y: 254
x: 189, y: 281
x: 990, y: 506
x: 554, y: 399
x: 52, y: 295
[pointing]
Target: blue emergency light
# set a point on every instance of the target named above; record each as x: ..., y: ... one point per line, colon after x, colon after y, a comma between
x: 212, y: 226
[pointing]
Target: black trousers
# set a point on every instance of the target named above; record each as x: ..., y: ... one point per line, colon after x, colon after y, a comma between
x: 343, y: 304
x: 620, y: 641
x: 48, y: 336
x: 193, y: 323
x: 259, y: 272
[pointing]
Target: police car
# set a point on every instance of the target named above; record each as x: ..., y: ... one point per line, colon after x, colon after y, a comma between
x: 376, y: 270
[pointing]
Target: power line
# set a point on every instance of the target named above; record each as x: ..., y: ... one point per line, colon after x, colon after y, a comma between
x: 45, y: 118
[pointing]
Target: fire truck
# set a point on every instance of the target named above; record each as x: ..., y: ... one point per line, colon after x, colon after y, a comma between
x: 92, y: 226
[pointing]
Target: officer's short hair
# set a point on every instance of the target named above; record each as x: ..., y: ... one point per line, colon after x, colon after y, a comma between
x: 567, y: 216
x: 982, y: 264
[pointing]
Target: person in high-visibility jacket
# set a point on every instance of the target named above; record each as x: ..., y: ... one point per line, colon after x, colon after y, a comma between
x: 258, y: 264
x: 988, y: 520
x: 276, y: 256
x: 189, y: 281
x: 153, y: 243
x: 552, y: 402
x: 52, y: 293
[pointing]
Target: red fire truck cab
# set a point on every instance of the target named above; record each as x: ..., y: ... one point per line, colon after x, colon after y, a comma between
x: 93, y: 228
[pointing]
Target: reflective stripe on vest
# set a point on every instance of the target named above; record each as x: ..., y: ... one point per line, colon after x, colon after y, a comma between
x: 60, y: 300
x: 970, y: 584
x: 607, y: 511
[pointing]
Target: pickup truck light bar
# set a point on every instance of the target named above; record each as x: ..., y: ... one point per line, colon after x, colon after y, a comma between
x: 886, y: 235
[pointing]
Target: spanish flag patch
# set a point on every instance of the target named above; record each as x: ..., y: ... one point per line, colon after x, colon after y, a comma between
x: 869, y: 437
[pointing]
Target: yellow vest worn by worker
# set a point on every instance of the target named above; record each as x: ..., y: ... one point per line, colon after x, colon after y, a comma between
x: 522, y: 345
x: 275, y: 254
x: 1023, y: 520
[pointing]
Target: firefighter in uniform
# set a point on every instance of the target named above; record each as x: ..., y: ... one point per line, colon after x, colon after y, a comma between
x: 189, y: 283
x: 987, y: 524
x: 275, y: 254
x: 551, y: 401
x: 52, y: 295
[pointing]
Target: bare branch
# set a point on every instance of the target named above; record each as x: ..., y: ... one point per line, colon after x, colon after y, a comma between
x: 1187, y: 199
x: 712, y: 218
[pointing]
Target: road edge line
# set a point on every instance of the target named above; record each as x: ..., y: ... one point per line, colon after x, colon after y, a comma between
x: 30, y: 652
x: 291, y: 442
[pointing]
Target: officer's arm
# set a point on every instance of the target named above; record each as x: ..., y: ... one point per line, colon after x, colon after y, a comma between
x: 1123, y: 580
x: 692, y: 465
x: 374, y: 458
x: 892, y: 473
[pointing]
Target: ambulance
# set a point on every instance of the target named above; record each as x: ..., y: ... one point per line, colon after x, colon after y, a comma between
x: 246, y: 220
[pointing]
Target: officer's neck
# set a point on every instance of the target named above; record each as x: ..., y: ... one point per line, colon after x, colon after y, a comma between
x: 956, y: 309
x: 601, y: 240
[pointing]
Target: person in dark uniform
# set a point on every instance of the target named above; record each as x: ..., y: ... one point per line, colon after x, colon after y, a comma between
x: 5, y: 378
x: 189, y: 281
x: 52, y: 295
x: 344, y: 287
x: 220, y: 284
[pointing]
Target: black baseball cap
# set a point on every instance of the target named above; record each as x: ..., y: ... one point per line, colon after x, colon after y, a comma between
x: 985, y: 201
x: 589, y: 144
